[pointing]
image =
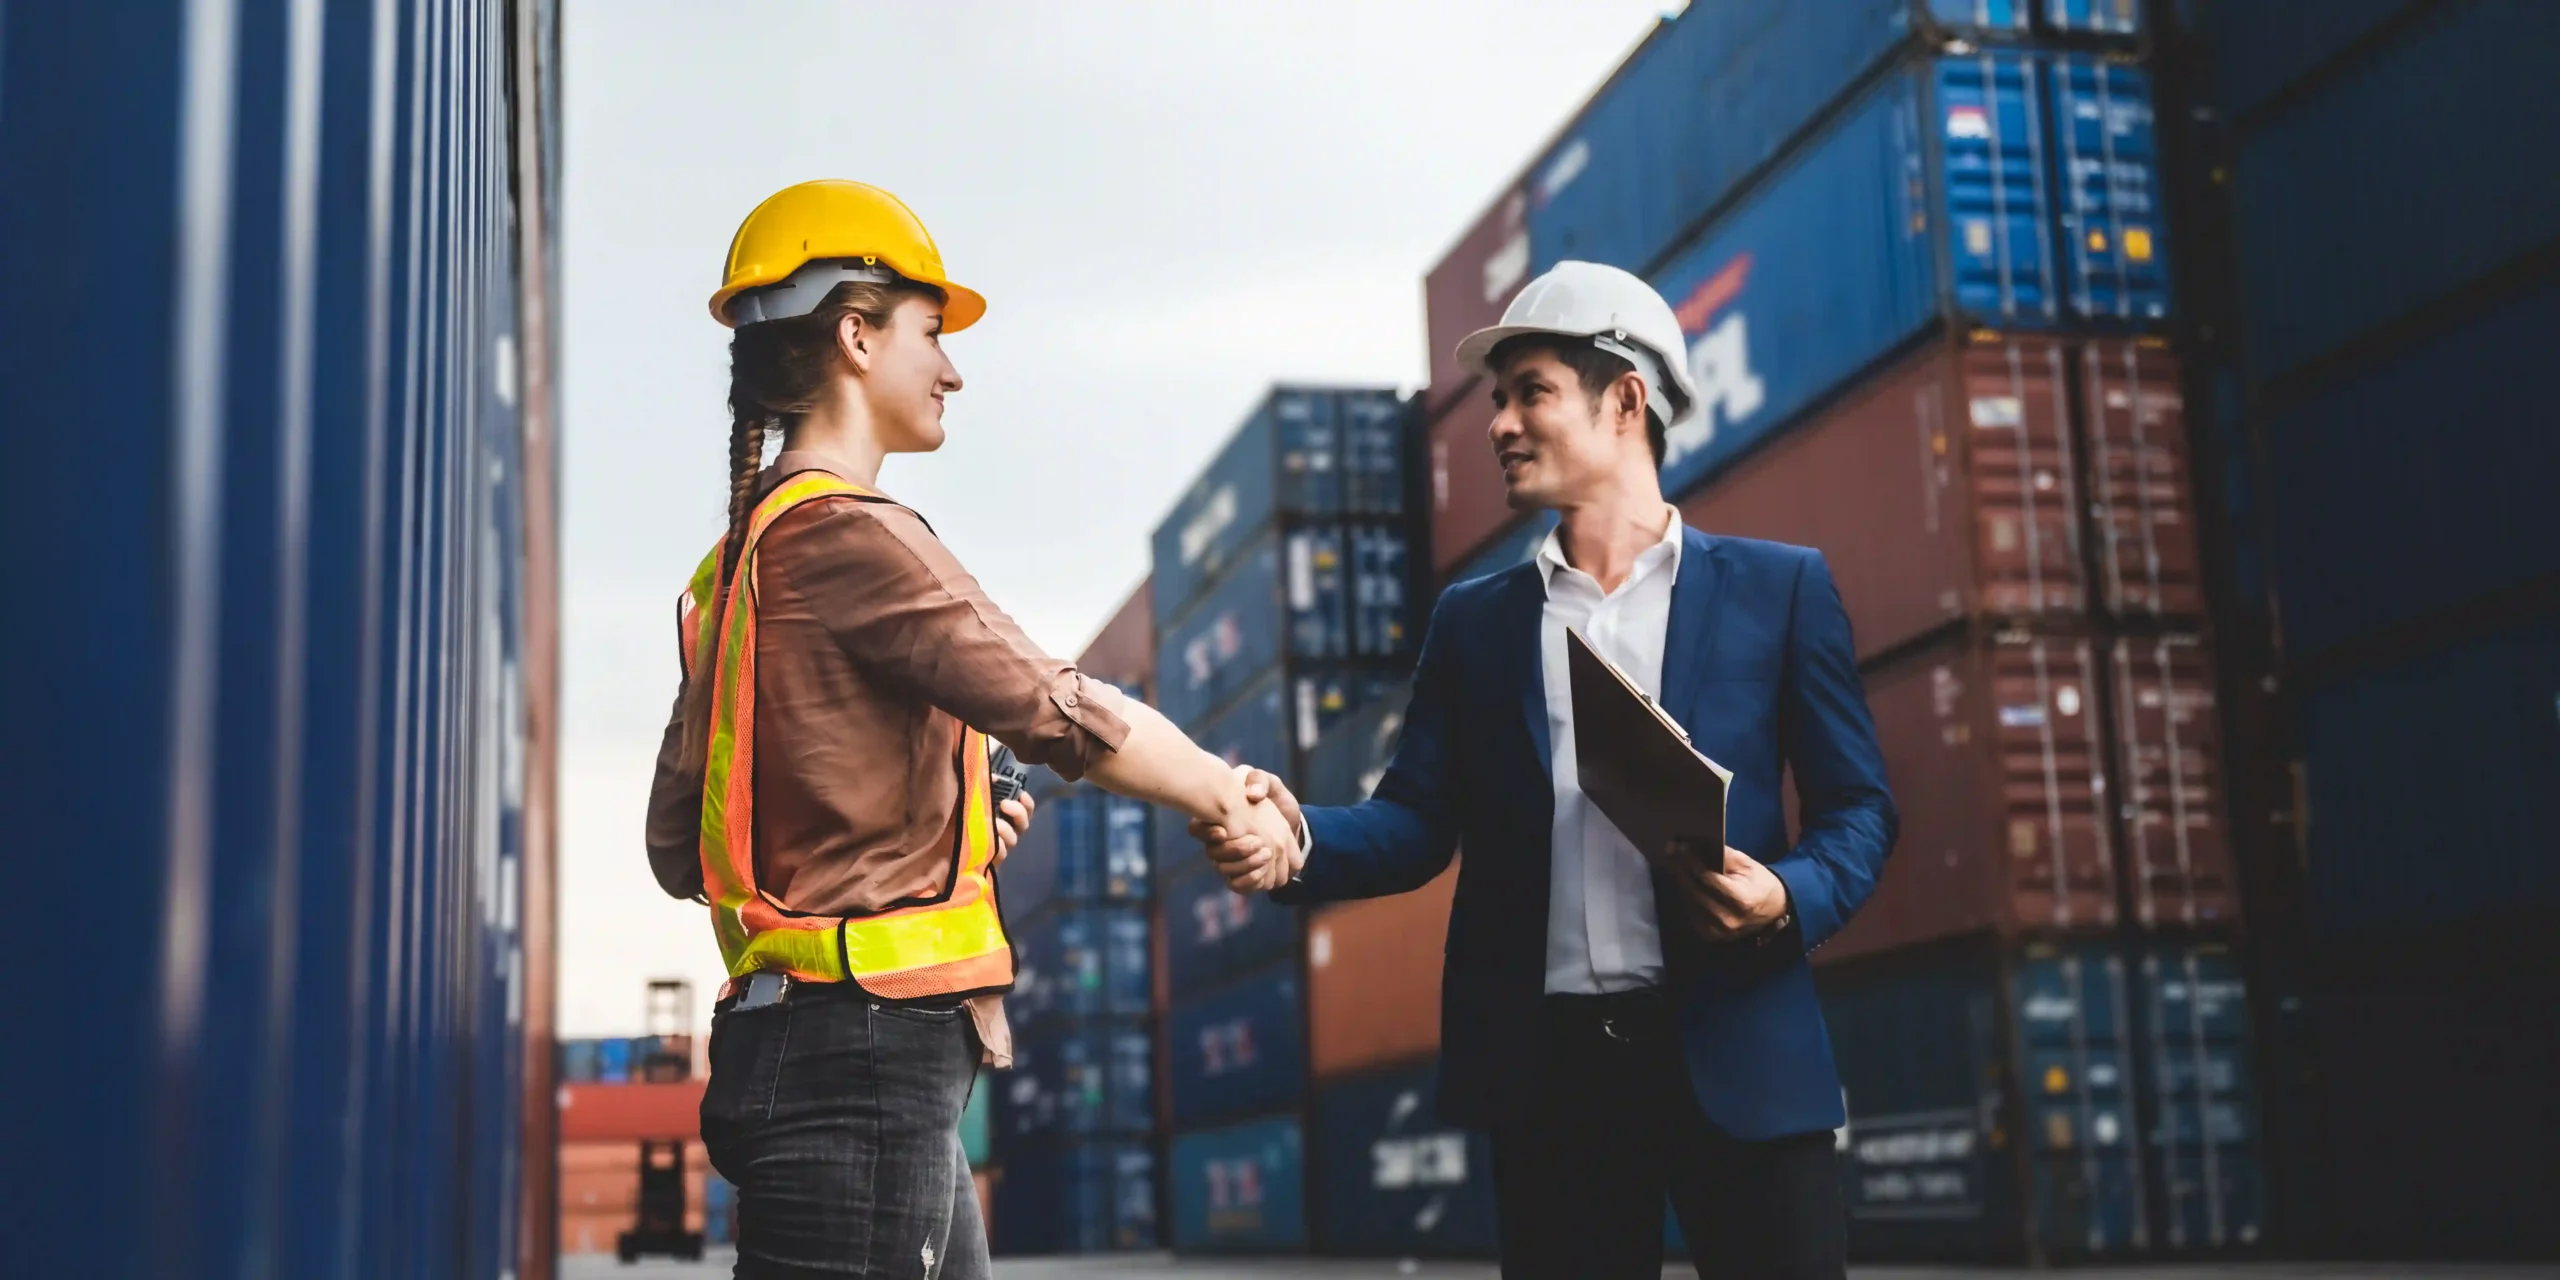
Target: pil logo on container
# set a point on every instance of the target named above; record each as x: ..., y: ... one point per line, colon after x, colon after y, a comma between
x: 1212, y: 649
x: 1719, y: 336
x: 1228, y: 1046
x: 1219, y: 914
x: 1418, y: 1162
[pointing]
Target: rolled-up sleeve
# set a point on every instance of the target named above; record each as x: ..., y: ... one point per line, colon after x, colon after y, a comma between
x: 906, y: 613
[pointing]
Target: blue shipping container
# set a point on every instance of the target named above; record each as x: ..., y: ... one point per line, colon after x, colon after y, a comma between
x: 2259, y: 47
x: 1085, y: 1081
x: 2417, y: 482
x: 1347, y: 761
x: 578, y: 1062
x: 1238, y: 1052
x: 2096, y: 17
x: 1381, y: 605
x: 1213, y: 936
x: 1287, y: 597
x: 1846, y: 254
x: 1254, y: 729
x: 292, y: 661
x: 613, y: 1061
x: 1376, y: 426
x: 1392, y: 1179
x: 1284, y: 461
x: 1708, y: 102
x: 1125, y: 849
x: 2202, y: 1109
x: 2323, y: 258
x: 2447, y: 760
x: 1080, y: 962
x: 1096, y: 1197
x: 2107, y: 150
x: 1240, y: 1189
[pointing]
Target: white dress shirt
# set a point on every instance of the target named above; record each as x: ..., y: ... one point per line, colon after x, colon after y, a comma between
x: 1601, y: 932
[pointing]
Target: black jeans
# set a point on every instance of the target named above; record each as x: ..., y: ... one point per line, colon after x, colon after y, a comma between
x: 1579, y: 1182
x: 838, y: 1117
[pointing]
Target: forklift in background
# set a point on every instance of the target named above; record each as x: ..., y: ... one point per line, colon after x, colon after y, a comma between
x: 668, y: 1059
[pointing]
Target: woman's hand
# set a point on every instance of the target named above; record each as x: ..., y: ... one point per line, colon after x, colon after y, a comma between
x: 1013, y: 817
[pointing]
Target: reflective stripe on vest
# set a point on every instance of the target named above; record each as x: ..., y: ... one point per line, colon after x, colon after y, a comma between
x: 948, y: 946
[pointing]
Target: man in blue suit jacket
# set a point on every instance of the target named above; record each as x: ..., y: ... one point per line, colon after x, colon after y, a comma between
x: 1615, y: 1051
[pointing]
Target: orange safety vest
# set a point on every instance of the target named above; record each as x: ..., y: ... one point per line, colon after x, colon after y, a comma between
x: 949, y: 945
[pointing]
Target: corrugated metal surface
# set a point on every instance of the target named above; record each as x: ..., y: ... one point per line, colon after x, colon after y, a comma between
x: 2142, y: 492
x: 2445, y: 761
x: 1214, y: 935
x: 1240, y: 1189
x: 1124, y: 651
x: 2101, y: 17
x: 1376, y: 426
x: 1080, y: 1081
x: 1469, y: 288
x: 1707, y: 102
x: 2201, y: 1114
x: 1948, y: 489
x: 1067, y: 819
x: 1350, y: 757
x: 287, y: 693
x: 2416, y: 483
x: 1288, y: 596
x: 1391, y: 1179
x: 1373, y: 979
x: 1930, y: 198
x: 2262, y: 46
x: 1254, y: 729
x: 2168, y: 767
x: 2303, y: 197
x: 629, y: 1112
x: 1381, y: 591
x: 1467, y: 503
x: 1080, y: 962
x: 1240, y: 1051
x: 1286, y: 460
x: 2112, y: 211
x: 1085, y: 1198
x: 1997, y: 753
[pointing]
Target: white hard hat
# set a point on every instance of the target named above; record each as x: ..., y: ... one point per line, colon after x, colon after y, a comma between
x: 1617, y: 312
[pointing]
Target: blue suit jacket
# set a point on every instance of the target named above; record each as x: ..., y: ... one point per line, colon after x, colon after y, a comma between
x: 1758, y: 666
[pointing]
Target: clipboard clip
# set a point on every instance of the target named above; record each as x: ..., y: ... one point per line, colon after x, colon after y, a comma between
x: 1668, y: 721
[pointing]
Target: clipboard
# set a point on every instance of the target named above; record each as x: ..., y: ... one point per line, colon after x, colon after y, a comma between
x: 1638, y: 765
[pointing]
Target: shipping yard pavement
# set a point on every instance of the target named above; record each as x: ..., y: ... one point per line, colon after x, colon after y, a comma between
x: 1161, y: 1267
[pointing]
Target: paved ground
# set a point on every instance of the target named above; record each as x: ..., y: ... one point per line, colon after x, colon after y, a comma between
x: 590, y: 1267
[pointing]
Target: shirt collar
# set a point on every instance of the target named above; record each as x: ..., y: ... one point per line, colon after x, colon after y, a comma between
x: 1665, y: 551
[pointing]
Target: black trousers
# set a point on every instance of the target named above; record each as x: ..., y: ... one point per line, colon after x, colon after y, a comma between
x: 1580, y: 1180
x: 838, y: 1117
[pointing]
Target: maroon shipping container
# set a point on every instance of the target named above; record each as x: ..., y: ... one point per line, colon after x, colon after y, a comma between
x: 2134, y: 420
x: 1124, y: 651
x: 2177, y: 850
x: 1995, y: 750
x: 1373, y: 979
x: 1469, y: 289
x: 1943, y: 490
x: 1467, y: 505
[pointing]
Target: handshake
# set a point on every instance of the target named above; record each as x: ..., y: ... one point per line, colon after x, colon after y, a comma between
x: 1262, y: 846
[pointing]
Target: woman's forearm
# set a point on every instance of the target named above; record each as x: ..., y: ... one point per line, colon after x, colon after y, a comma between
x: 1158, y: 764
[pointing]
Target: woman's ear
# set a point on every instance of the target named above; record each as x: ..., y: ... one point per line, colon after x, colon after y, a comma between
x: 853, y: 340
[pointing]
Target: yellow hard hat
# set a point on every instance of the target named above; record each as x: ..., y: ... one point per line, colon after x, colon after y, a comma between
x: 808, y: 237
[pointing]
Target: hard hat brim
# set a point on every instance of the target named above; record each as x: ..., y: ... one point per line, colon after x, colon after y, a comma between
x: 962, y: 306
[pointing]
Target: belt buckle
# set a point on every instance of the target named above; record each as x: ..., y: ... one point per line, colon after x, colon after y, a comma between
x: 763, y: 987
x: 1609, y: 1028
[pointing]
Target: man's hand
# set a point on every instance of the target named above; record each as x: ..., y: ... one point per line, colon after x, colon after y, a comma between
x: 1266, y: 851
x: 1746, y: 898
x: 1013, y: 817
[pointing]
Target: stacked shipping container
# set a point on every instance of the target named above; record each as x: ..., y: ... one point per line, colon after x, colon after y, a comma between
x: 297, y: 694
x: 1282, y: 590
x: 2391, y: 466
x: 1919, y: 257
x: 1065, y: 1140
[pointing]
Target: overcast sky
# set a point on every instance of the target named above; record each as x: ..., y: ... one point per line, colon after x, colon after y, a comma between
x: 1168, y: 206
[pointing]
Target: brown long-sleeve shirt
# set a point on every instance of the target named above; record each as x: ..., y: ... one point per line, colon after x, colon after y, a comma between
x: 873, y: 646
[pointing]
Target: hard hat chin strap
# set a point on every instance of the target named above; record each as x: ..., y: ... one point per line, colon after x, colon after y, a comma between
x: 800, y: 293
x: 1658, y: 391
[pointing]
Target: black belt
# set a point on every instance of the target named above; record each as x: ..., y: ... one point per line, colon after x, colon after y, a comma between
x: 1630, y: 1017
x: 765, y: 987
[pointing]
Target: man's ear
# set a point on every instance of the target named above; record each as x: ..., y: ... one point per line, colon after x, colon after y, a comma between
x: 1627, y: 395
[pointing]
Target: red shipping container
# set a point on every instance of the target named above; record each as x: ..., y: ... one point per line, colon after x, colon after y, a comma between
x: 2134, y: 418
x: 2168, y: 753
x: 1467, y: 503
x: 630, y: 1112
x: 1373, y: 979
x: 1124, y: 651
x: 1469, y: 289
x: 1945, y: 489
x: 1995, y: 750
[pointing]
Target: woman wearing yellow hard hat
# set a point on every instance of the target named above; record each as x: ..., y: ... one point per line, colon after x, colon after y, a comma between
x: 830, y: 781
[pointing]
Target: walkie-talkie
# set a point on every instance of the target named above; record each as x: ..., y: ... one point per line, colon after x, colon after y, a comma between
x: 1006, y: 776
